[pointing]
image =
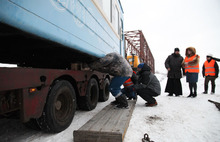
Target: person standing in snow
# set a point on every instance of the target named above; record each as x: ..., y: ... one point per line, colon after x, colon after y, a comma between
x: 210, y: 71
x: 148, y: 85
x: 117, y: 66
x: 173, y: 65
x: 191, y: 65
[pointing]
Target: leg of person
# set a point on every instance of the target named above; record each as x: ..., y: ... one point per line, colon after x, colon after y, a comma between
x: 195, y: 80
x: 134, y: 95
x: 195, y: 89
x: 115, y: 88
x: 147, y: 95
x: 169, y: 86
x: 123, y: 103
x: 206, y: 85
x: 190, y: 88
x: 177, y: 87
x: 213, y: 85
x: 116, y: 102
x: 127, y: 93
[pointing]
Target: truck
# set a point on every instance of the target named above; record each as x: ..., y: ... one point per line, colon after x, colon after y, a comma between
x: 52, y: 42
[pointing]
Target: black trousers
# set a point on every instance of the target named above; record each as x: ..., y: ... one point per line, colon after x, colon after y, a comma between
x: 148, y: 95
x: 174, y: 86
x: 212, y: 79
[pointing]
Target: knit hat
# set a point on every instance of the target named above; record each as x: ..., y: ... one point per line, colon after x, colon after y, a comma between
x: 141, y: 65
x: 176, y: 49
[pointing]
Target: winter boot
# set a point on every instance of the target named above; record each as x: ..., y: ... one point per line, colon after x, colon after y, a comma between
x: 123, y: 103
x: 213, y: 89
x: 190, y: 95
x: 170, y: 94
x: 191, y: 90
x: 206, y: 89
x: 194, y: 94
x: 151, y: 105
x: 115, y: 102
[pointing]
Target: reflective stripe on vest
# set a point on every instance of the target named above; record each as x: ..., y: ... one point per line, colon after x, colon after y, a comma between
x: 193, y: 69
x: 128, y: 83
x: 209, y: 68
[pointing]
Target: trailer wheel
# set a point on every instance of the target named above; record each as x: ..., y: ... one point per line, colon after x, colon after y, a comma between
x: 104, y: 93
x: 59, y: 109
x: 90, y: 100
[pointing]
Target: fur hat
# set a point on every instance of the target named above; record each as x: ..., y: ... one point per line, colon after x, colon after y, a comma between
x: 192, y: 49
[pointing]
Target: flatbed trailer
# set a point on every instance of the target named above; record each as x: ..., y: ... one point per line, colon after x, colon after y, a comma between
x: 52, y: 42
x: 42, y: 95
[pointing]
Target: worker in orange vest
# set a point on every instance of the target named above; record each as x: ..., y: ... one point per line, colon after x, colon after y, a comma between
x: 129, y: 83
x: 191, y: 65
x: 210, y: 71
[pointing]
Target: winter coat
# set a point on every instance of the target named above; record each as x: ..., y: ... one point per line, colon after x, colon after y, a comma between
x: 114, y: 64
x: 147, y: 80
x: 174, y: 62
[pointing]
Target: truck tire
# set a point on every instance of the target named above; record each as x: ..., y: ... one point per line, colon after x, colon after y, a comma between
x: 104, y: 93
x: 90, y: 100
x: 59, y: 109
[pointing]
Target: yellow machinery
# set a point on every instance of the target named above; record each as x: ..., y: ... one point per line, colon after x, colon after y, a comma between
x: 133, y: 61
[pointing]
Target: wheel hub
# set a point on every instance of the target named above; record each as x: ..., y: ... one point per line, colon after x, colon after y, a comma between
x: 58, y: 105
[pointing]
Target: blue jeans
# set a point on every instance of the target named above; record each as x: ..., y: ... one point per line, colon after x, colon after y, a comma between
x: 115, y: 85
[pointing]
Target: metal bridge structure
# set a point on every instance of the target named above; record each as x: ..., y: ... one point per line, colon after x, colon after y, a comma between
x: 135, y: 43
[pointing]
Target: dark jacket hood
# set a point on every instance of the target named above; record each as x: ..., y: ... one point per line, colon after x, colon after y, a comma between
x: 146, y: 68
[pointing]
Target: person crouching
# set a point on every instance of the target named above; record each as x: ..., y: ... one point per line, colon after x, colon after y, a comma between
x: 148, y: 85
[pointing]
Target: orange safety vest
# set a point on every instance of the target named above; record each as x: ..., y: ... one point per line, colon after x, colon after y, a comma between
x: 129, y: 82
x: 191, y: 69
x: 209, y: 68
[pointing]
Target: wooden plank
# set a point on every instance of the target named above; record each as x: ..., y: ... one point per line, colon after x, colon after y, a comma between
x: 109, y: 125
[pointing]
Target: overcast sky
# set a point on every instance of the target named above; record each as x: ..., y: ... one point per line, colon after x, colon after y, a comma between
x: 167, y: 24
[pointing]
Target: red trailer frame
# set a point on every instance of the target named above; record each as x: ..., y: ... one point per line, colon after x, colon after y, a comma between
x: 26, y: 89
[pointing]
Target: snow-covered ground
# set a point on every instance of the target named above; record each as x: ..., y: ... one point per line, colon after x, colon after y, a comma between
x: 175, y: 119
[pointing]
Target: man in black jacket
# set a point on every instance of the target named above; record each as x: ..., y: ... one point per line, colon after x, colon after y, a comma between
x: 148, y: 85
x: 173, y: 65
